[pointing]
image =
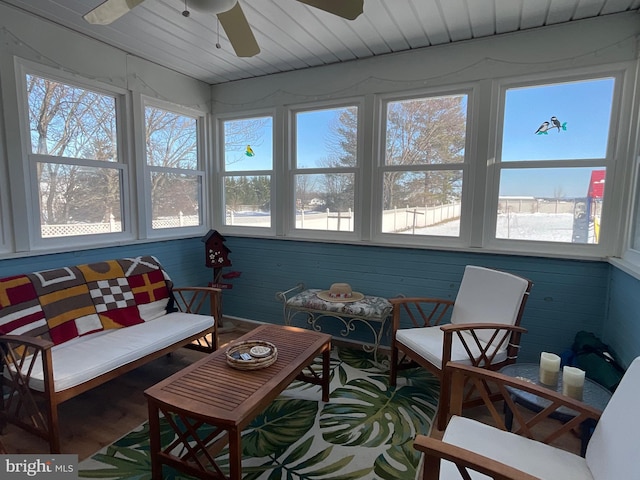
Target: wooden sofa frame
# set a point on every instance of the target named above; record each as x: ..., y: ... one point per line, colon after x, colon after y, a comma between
x: 20, y: 403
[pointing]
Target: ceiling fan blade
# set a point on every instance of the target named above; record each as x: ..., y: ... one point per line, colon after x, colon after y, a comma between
x: 110, y: 10
x: 239, y: 32
x: 349, y: 9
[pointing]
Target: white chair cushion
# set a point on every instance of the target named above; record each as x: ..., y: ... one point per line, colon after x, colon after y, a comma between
x: 536, y: 458
x: 612, y: 449
x: 84, y: 358
x: 488, y: 296
x: 428, y: 341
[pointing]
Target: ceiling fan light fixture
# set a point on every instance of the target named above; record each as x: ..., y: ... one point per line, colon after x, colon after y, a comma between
x: 213, y: 6
x: 110, y: 10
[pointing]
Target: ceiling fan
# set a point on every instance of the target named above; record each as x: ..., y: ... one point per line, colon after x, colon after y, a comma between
x: 229, y: 14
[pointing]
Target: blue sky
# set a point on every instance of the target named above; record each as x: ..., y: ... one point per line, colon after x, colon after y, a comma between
x: 584, y: 107
x: 236, y: 159
x: 313, y: 134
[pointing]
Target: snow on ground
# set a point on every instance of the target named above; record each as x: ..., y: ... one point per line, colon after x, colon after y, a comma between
x: 550, y: 227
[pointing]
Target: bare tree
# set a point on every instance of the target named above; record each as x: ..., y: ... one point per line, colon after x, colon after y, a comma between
x: 419, y: 132
x: 424, y: 132
x: 171, y: 141
x: 68, y: 123
x: 305, y: 185
x: 240, y: 133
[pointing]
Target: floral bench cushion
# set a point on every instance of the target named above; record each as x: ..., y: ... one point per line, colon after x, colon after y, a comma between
x: 375, y: 308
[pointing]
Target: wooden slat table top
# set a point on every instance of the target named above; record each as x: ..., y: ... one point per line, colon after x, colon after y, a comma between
x: 212, y: 390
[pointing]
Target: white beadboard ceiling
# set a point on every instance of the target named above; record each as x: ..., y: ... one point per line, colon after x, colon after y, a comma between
x: 294, y: 36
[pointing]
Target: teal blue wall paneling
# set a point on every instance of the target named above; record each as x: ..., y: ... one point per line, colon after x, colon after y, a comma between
x: 568, y: 295
x: 622, y: 328
x: 182, y: 259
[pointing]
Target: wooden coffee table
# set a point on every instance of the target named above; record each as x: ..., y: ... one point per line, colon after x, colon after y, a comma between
x: 212, y: 393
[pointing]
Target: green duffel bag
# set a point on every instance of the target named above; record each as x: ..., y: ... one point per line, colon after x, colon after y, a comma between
x: 597, y: 360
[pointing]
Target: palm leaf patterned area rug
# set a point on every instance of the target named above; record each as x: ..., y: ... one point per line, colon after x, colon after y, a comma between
x: 365, y: 431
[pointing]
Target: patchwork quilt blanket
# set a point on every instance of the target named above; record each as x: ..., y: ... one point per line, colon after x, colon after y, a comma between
x: 69, y: 302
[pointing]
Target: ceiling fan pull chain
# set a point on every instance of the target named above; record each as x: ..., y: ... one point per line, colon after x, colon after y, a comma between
x: 218, y: 41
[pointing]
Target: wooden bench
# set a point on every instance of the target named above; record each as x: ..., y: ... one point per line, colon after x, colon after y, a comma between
x: 71, y: 329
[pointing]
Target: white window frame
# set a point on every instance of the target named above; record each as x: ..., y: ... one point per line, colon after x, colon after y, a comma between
x: 144, y: 186
x: 633, y: 250
x: 36, y: 241
x: 630, y: 259
x: 467, y: 167
x: 293, y: 170
x: 615, y: 153
x: 5, y: 219
x: 219, y: 215
x: 4, y: 197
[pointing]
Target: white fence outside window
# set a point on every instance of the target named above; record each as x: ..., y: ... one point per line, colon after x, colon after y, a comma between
x: 72, y: 229
x: 395, y: 220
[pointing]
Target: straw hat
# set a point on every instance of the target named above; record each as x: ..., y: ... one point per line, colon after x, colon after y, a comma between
x: 340, y: 293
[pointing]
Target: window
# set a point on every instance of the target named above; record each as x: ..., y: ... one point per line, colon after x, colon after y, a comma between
x: 175, y: 176
x: 513, y: 165
x: 248, y: 171
x: 77, y: 176
x: 553, y: 161
x: 326, y: 162
x: 424, y: 157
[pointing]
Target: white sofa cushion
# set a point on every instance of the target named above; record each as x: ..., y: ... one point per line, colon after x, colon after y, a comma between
x: 428, y: 342
x: 84, y: 358
x: 536, y: 458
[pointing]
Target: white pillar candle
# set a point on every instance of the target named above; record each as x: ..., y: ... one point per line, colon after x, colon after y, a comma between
x: 572, y: 382
x: 549, y: 368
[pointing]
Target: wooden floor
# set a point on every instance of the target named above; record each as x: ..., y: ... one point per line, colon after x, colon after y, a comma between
x: 100, y: 416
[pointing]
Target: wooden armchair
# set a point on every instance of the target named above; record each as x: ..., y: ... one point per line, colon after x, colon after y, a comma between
x: 469, y: 447
x: 484, y: 330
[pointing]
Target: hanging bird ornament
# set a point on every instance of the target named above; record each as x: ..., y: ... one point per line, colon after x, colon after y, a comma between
x: 542, y: 129
x: 249, y: 151
x: 555, y: 123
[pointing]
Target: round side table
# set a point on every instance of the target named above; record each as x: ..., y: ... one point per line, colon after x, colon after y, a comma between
x: 593, y: 394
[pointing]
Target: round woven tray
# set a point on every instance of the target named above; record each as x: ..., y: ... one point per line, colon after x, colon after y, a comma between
x: 267, y: 357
